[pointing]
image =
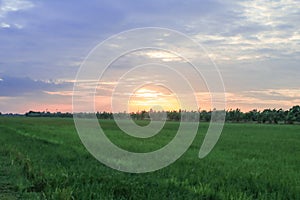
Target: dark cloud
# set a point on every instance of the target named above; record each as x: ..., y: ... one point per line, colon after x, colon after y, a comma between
x: 19, y: 86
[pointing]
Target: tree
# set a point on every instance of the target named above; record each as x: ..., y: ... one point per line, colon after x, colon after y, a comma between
x: 254, y: 115
x: 238, y: 115
x: 293, y: 115
x: 230, y: 115
x: 205, y: 116
x: 279, y: 116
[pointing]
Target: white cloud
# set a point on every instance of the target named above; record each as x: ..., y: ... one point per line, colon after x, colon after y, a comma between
x: 7, y: 6
x: 18, y: 26
x: 4, y: 25
x: 60, y: 93
x: 163, y: 55
x: 247, y: 31
x: 264, y: 44
x: 268, y: 12
x: 14, y: 5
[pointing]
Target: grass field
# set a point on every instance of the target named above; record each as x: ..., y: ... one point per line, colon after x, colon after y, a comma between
x: 43, y: 158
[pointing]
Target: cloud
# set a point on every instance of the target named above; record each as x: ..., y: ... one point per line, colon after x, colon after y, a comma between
x: 60, y: 93
x: 270, y: 13
x: 19, y: 86
x: 247, y: 31
x: 10, y: 6
x: 275, y: 94
x: 256, y: 44
x: 4, y: 25
x: 262, y: 99
x: 14, y: 5
x: 159, y: 54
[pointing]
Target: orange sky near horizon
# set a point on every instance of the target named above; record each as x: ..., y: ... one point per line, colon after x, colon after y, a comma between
x: 148, y: 97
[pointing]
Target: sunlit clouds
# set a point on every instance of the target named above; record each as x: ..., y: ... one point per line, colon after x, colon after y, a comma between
x: 164, y: 56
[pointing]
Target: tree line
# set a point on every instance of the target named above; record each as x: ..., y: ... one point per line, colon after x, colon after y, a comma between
x: 271, y: 116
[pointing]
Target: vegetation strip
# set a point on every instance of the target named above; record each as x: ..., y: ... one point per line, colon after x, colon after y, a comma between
x: 271, y: 116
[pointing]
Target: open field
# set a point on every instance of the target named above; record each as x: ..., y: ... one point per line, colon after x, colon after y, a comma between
x: 43, y: 158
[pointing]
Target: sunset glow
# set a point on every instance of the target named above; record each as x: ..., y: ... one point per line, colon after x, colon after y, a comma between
x: 156, y: 98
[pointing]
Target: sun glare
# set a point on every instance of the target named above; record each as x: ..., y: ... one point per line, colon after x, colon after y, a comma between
x: 156, y: 98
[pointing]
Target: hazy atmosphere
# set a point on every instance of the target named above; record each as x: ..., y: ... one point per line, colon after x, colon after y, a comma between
x: 256, y: 45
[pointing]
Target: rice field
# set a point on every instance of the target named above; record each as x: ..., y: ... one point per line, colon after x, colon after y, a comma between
x: 43, y: 158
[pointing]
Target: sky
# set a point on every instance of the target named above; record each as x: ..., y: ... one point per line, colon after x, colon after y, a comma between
x: 255, y: 44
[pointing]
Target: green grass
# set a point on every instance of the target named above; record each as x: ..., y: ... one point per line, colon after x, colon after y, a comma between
x: 43, y: 158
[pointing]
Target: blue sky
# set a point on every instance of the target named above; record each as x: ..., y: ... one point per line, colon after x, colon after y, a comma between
x: 256, y: 45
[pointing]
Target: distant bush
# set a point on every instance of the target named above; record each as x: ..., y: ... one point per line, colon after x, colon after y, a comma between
x: 271, y: 116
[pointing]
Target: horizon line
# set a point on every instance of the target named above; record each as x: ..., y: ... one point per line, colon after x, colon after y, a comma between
x: 139, y: 111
